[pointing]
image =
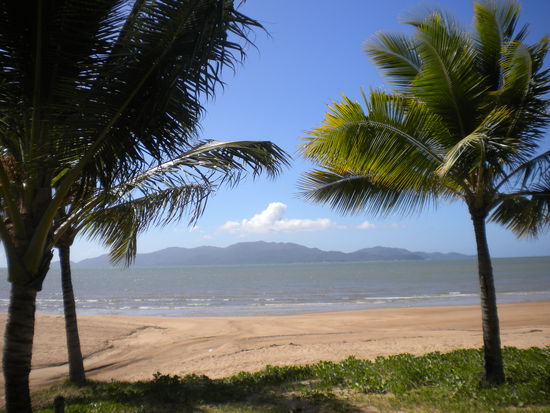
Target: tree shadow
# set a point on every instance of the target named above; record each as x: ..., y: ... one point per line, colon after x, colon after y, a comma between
x: 271, y: 390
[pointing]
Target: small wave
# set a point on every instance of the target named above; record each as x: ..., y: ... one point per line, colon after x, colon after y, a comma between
x: 421, y: 297
x: 299, y: 304
x: 144, y: 307
x: 523, y: 293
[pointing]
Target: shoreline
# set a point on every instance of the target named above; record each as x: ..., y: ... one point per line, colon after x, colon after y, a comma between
x: 292, y: 310
x: 135, y: 347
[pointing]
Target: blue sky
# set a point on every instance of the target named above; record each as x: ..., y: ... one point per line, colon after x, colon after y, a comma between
x: 314, y: 54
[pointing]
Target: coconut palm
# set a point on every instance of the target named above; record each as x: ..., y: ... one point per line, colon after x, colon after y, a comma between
x: 89, y: 93
x: 463, y: 123
x: 77, y: 374
x: 157, y: 196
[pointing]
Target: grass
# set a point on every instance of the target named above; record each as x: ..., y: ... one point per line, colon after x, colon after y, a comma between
x: 433, y: 382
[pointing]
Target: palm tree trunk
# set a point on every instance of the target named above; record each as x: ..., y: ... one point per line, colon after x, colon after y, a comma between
x: 76, y: 363
x: 18, y: 348
x: 493, y: 371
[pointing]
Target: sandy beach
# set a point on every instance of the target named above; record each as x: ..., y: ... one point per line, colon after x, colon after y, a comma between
x: 135, y: 347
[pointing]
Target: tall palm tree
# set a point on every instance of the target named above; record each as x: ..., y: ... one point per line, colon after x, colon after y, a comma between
x: 463, y: 123
x: 157, y: 196
x: 77, y: 374
x: 89, y: 93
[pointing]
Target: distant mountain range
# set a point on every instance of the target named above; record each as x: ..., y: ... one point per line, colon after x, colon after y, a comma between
x: 268, y: 253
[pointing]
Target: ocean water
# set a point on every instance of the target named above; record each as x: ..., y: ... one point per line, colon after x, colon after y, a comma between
x: 288, y: 289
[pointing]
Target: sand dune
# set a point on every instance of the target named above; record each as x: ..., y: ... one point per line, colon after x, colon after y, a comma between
x: 134, y: 347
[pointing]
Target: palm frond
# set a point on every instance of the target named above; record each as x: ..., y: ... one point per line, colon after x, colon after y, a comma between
x: 128, y: 79
x: 465, y: 122
x: 167, y: 192
x: 447, y: 82
x: 91, y: 92
x: 233, y: 159
x: 525, y: 213
x: 495, y: 25
x: 480, y: 146
x: 118, y: 225
x: 344, y: 125
x: 528, y: 173
x: 165, y: 65
x: 396, y: 147
x: 396, y: 56
x: 524, y: 90
x: 395, y: 134
x: 352, y: 192
x: 209, y: 163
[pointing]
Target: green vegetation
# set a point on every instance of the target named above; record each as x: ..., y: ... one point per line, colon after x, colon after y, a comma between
x: 434, y: 382
x: 92, y: 96
x: 463, y: 123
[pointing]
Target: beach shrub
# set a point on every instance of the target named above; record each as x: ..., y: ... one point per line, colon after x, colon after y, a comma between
x: 431, y: 382
x: 454, y: 377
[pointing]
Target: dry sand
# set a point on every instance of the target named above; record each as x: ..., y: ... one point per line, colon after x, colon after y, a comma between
x: 134, y: 347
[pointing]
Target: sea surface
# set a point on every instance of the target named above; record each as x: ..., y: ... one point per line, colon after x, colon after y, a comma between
x: 287, y: 289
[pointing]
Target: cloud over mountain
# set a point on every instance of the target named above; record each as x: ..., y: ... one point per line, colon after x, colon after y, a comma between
x: 271, y: 220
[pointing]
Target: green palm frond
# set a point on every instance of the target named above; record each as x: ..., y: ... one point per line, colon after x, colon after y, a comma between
x: 525, y: 213
x: 331, y: 140
x: 527, y: 174
x: 349, y: 132
x: 399, y: 121
x: 495, y: 25
x: 398, y: 135
x: 517, y: 71
x: 133, y: 89
x: 167, y: 192
x: 396, y: 56
x: 181, y: 47
x: 468, y: 155
x: 118, y: 225
x: 231, y: 159
x: 447, y: 82
x: 352, y: 192
x: 397, y: 146
x: 91, y: 92
x: 211, y: 162
x: 524, y: 90
x: 466, y: 121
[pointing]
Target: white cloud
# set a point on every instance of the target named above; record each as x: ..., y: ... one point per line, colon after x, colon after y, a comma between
x: 271, y: 220
x: 366, y: 225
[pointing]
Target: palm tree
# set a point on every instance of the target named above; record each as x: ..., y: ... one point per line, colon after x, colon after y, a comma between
x: 77, y: 374
x: 463, y: 123
x: 157, y: 196
x: 89, y: 93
